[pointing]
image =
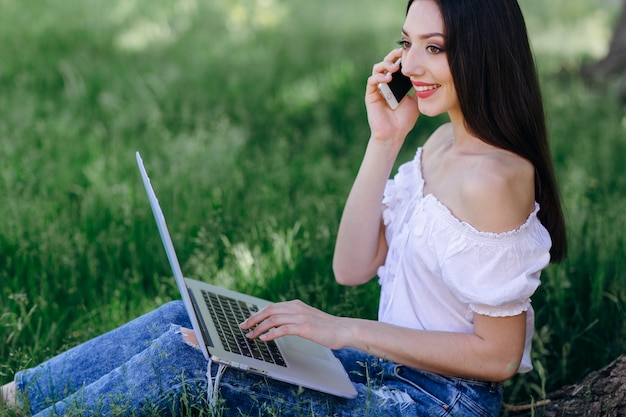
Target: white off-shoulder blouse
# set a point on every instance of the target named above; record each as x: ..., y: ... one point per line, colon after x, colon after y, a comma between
x: 439, y: 270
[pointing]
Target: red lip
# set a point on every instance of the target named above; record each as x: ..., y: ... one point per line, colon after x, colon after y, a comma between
x: 424, y: 94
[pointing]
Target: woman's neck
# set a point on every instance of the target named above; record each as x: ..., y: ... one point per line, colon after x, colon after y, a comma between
x: 463, y: 138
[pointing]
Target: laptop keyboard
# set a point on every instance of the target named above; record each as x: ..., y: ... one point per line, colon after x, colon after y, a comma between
x: 227, y: 313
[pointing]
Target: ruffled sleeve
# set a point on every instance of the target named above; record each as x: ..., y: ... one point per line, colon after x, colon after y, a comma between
x: 496, y: 274
x: 400, y: 192
x: 399, y: 198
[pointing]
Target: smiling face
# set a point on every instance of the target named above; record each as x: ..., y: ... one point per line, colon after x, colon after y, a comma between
x: 425, y: 61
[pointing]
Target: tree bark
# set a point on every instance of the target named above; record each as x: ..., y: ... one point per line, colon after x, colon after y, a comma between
x: 601, y: 394
x: 614, y: 63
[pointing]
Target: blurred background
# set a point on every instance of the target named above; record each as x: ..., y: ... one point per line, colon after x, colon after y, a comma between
x: 249, y: 116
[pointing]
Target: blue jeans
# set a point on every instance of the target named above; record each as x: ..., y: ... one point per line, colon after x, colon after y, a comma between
x: 145, y: 368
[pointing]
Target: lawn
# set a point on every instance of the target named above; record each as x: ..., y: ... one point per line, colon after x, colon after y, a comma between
x: 249, y: 116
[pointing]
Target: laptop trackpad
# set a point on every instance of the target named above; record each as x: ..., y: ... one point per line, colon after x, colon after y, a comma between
x: 307, y: 347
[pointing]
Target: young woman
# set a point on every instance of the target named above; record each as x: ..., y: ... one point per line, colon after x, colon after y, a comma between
x: 464, y: 231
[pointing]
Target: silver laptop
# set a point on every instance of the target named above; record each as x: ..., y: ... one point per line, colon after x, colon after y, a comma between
x: 215, y: 314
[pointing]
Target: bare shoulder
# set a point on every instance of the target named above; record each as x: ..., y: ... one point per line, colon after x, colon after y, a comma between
x: 498, y: 191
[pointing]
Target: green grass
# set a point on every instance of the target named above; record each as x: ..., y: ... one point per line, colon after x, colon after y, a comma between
x: 250, y: 119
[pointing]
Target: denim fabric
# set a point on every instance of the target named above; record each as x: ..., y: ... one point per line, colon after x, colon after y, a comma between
x: 146, y: 368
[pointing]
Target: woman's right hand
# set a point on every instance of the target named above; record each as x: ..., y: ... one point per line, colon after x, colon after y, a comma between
x: 361, y: 246
x: 387, y: 124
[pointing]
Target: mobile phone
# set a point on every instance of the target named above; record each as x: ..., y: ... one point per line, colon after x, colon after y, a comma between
x: 395, y: 90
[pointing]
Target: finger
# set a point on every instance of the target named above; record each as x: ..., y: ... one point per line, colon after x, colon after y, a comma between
x: 381, y: 72
x: 389, y: 63
x: 257, y: 317
x: 263, y: 315
x: 270, y: 312
x: 393, y: 55
x: 276, y: 333
x: 380, y: 78
x: 299, y: 327
x: 273, y: 324
x: 384, y: 68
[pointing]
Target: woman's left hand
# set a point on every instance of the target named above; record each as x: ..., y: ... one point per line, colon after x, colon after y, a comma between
x: 298, y: 319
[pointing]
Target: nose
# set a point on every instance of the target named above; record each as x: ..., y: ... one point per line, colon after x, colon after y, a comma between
x: 412, y: 63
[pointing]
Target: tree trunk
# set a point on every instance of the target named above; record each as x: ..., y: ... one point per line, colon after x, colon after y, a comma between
x: 601, y: 394
x: 614, y: 64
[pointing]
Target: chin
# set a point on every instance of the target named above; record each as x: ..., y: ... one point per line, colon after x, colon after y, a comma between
x: 430, y: 111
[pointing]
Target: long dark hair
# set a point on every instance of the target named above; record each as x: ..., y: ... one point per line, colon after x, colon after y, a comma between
x: 498, y: 90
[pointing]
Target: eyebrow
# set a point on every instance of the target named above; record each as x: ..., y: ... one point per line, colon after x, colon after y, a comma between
x: 426, y: 35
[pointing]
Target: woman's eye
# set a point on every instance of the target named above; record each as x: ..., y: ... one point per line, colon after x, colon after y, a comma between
x: 434, y: 49
x: 404, y: 44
